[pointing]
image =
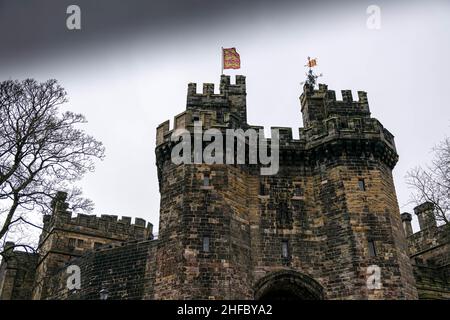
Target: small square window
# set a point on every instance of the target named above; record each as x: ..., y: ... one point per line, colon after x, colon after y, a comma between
x: 205, y: 244
x: 285, y: 249
x: 196, y: 117
x: 372, y: 249
x: 361, y: 185
x: 80, y: 243
x: 262, y: 189
x: 206, y: 180
x: 72, y: 242
x: 97, y: 245
x: 297, y: 190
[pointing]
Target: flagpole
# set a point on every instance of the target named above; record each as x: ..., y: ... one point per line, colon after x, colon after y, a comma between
x: 221, y: 54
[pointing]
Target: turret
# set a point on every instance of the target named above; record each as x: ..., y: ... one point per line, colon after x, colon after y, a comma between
x: 59, y: 204
x: 406, y: 221
x: 8, y: 248
x: 231, y: 99
x: 425, y: 214
x: 318, y: 105
x: 226, y: 109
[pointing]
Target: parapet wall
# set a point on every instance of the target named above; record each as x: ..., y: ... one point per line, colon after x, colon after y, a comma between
x: 346, y: 106
x: 342, y: 127
x: 431, y: 244
x: 105, y: 225
x: 207, y: 96
x: 224, y: 109
x: 374, y: 137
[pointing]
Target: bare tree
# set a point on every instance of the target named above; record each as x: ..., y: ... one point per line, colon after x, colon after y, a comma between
x: 432, y: 184
x: 42, y: 151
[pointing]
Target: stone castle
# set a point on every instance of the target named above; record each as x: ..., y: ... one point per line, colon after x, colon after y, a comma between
x: 315, y: 230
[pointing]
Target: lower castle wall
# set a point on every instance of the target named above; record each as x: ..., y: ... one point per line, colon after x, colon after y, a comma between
x: 432, y: 282
x: 124, y: 271
x: 17, y: 272
x: 430, y: 255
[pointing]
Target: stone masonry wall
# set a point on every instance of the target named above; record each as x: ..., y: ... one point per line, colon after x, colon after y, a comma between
x: 328, y: 225
x: 17, y: 272
x: 313, y: 206
x: 66, y: 237
x: 123, y: 270
x: 429, y: 250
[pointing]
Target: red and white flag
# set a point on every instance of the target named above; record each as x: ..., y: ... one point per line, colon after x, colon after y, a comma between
x: 231, y: 59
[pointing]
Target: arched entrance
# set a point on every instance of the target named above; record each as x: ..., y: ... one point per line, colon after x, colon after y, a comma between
x: 288, y: 285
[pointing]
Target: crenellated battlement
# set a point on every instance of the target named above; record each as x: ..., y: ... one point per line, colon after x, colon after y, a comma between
x: 330, y: 95
x: 104, y: 225
x: 326, y: 121
x: 230, y: 100
x: 362, y: 135
x: 225, y: 88
x: 226, y: 109
x: 185, y: 120
x: 320, y: 104
x: 343, y: 127
x: 323, y: 114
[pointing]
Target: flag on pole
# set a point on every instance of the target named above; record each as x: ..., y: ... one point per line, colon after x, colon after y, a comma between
x: 312, y: 62
x: 231, y: 59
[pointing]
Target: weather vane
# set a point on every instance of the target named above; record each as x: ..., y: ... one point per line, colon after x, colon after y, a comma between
x: 311, y: 77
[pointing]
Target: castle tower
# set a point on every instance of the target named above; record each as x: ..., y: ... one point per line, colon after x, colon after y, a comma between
x: 203, y: 243
x: 352, y: 157
x: 318, y: 228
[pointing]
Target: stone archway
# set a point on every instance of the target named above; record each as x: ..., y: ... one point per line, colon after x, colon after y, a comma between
x: 288, y: 285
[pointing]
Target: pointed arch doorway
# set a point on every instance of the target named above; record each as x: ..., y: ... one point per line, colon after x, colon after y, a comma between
x: 288, y: 285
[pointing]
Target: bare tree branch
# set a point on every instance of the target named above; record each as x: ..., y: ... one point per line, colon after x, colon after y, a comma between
x: 42, y: 150
x: 432, y: 184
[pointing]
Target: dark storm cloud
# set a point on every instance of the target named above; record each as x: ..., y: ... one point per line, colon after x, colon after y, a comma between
x: 35, y: 28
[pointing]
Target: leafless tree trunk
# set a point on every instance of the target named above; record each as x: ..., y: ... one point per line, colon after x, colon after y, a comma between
x: 432, y: 184
x: 42, y: 151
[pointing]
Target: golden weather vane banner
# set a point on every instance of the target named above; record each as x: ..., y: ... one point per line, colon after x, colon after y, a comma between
x: 311, y: 62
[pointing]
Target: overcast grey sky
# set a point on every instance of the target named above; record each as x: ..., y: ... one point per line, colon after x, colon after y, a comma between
x: 127, y: 70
